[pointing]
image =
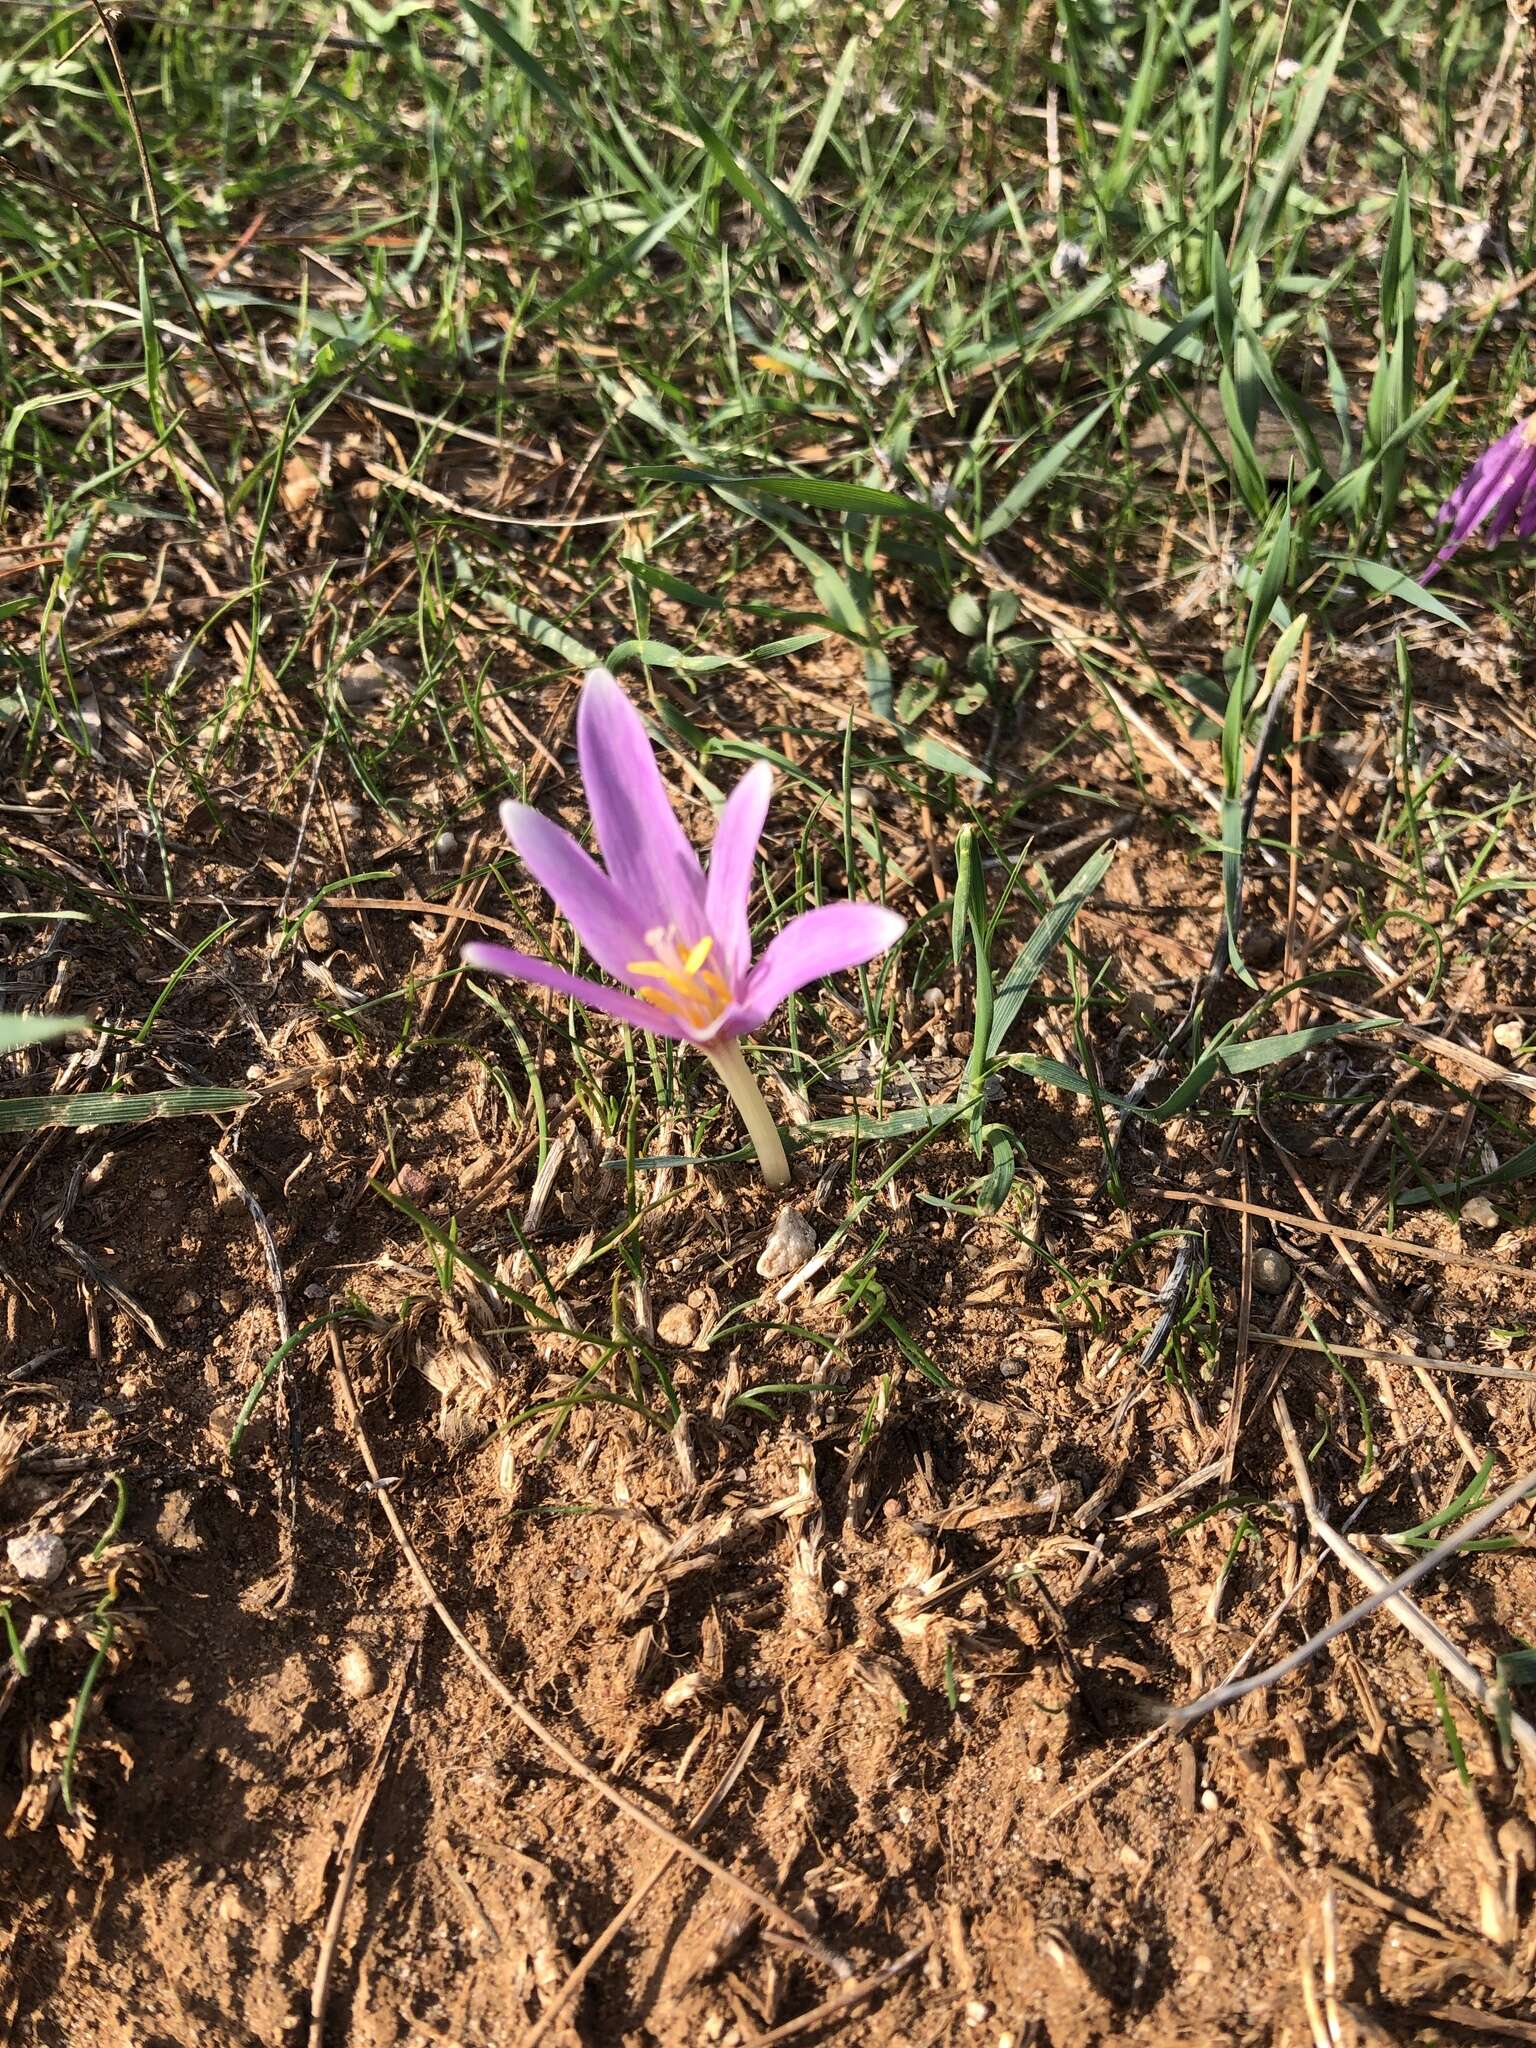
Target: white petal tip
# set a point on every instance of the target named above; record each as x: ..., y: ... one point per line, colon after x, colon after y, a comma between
x: 511, y: 816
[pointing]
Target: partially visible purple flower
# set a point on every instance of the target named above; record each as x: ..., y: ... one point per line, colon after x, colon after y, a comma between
x: 1498, y: 490
x: 678, y: 937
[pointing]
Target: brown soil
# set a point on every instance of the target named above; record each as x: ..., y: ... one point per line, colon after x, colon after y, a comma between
x: 927, y: 1631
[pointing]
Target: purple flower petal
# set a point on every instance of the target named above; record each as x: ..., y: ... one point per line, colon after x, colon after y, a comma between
x: 729, y: 886
x: 598, y: 912
x: 1497, y: 478
x: 1519, y: 478
x: 816, y: 943
x: 645, y: 849
x: 1476, y: 481
x: 1495, y: 492
x: 617, y: 1002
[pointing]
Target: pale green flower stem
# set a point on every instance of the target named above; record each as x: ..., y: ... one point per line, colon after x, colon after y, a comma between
x: 726, y: 1058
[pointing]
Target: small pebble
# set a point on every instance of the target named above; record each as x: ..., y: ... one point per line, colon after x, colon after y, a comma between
x: 364, y: 682
x: 37, y: 1557
x: 977, y: 2012
x: 790, y: 1243
x: 444, y: 844
x: 1480, y: 1213
x: 1510, y: 1034
x: 678, y: 1324
x: 1271, y: 1272
x: 358, y: 1673
x: 316, y: 929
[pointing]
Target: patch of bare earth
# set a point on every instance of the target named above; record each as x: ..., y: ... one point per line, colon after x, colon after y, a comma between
x: 920, y: 1617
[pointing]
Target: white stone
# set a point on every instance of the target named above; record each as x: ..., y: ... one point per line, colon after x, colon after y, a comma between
x: 790, y: 1243
x: 1480, y: 1213
x: 38, y: 1557
x: 1271, y: 1273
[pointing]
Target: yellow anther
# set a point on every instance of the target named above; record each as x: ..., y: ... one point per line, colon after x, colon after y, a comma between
x: 690, y: 991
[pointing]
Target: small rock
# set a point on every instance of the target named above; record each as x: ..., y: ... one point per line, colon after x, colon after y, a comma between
x: 1510, y: 1034
x: 1271, y: 1272
x: 37, y: 1557
x: 790, y: 1243
x: 679, y: 1324
x: 187, y: 1303
x: 175, y: 1526
x: 365, y: 682
x: 977, y: 2012
x: 1480, y: 1213
x: 445, y: 845
x: 316, y: 930
x: 358, y: 1674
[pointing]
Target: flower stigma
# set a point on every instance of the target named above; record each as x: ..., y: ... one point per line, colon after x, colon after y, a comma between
x: 691, y: 991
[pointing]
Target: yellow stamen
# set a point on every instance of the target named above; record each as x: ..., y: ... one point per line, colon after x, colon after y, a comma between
x: 690, y: 991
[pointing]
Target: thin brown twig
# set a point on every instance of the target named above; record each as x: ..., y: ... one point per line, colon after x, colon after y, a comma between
x: 642, y: 1892
x: 770, y: 1908
x: 351, y: 1845
x: 1381, y: 1354
x: 1403, y: 1610
x: 1384, y: 1594
x: 1326, y: 1227
x: 855, y: 1994
x: 279, y: 1286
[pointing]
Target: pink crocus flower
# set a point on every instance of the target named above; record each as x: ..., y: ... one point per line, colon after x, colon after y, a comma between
x: 678, y: 938
x: 1499, y: 487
